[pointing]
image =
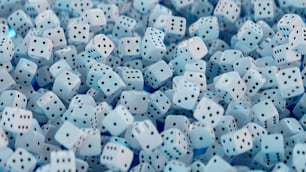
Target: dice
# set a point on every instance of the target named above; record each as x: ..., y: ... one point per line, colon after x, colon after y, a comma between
x: 21, y: 160
x: 7, y: 48
x: 70, y: 136
x: 40, y: 48
x: 12, y: 98
x: 62, y: 161
x: 20, y: 22
x: 25, y: 71
x: 289, y: 22
x: 116, y: 156
x: 157, y: 74
x: 118, y: 120
x: 250, y: 33
x: 290, y: 82
x: 272, y: 148
x: 230, y: 86
x: 99, y: 47
x: 147, y: 135
x: 124, y: 26
x: 174, y: 143
x: 135, y: 101
x: 17, y: 120
x: 264, y: 10
x: 208, y: 112
x: 189, y: 99
x: 267, y: 120
x: 237, y: 142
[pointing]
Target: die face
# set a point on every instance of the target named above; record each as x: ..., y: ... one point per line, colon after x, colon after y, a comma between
x: 232, y: 84
x: 62, y: 159
x: 111, y: 154
x: 16, y: 161
x: 263, y: 10
x: 14, y: 21
x: 290, y: 82
x: 57, y: 36
x: 111, y: 84
x: 135, y: 102
x: 188, y: 100
x: 69, y: 136
x: 102, y: 44
x: 260, y: 115
x: 201, y: 136
x: 237, y: 142
x: 40, y: 48
x: 12, y: 98
x: 251, y: 33
x: 208, y: 112
x: 78, y: 33
x: 229, y: 10
x: 273, y: 147
x: 179, y: 31
x: 147, y: 135
x: 92, y: 145
x: 16, y: 119
x: 118, y: 120
x: 288, y: 22
x: 254, y: 81
x: 66, y: 85
x: 174, y: 143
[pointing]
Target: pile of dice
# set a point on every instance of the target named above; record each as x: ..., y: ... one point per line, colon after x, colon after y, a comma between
x: 152, y: 85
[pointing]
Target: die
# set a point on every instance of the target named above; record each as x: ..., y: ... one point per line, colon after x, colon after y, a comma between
x: 12, y: 98
x: 157, y: 74
x: 135, y: 101
x: 254, y: 81
x: 264, y: 10
x: 57, y: 37
x: 267, y: 120
x: 292, y: 86
x: 227, y: 11
x: 16, y: 119
x: 70, y: 136
x: 250, y: 33
x: 99, y: 47
x: 66, y: 85
x: 40, y: 48
x: 147, y: 135
x: 17, y: 161
x: 124, y: 26
x: 175, y: 27
x: 20, y: 22
x: 236, y: 142
x: 95, y: 18
x: 62, y: 161
x: 6, y: 80
x: 201, y: 136
x: 289, y: 22
x: 78, y: 33
x: 230, y: 86
x: 116, y: 156
x: 92, y: 144
x: 118, y: 120
x: 297, y: 40
x: 25, y: 71
x: 174, y: 143
x: 187, y: 101
x: 46, y: 20
x: 7, y: 48
x: 272, y: 148
x: 208, y: 112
